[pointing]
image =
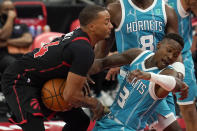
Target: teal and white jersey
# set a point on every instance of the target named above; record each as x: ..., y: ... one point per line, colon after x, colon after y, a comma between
x: 184, y: 23
x: 141, y: 28
x: 185, y: 30
x: 135, y: 100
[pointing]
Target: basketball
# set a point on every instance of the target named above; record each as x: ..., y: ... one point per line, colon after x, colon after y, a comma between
x: 52, y: 95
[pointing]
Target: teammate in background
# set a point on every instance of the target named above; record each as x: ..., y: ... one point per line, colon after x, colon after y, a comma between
x: 137, y: 99
x: 138, y: 20
x: 68, y: 57
x: 142, y: 24
x: 184, y: 9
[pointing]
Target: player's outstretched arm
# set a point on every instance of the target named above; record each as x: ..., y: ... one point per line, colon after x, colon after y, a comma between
x: 114, y: 60
x: 165, y: 82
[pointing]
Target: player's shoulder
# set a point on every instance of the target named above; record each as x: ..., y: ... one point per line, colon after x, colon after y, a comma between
x: 114, y: 6
x: 81, y: 47
x: 169, y: 9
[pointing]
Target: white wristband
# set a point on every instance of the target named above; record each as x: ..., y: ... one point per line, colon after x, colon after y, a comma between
x: 179, y: 67
x: 165, y: 81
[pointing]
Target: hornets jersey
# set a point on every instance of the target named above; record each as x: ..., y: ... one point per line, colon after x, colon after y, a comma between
x: 141, y: 28
x: 184, y: 23
x: 185, y: 30
x: 136, y: 99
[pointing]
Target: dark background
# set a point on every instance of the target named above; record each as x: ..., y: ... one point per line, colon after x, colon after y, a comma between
x: 59, y: 15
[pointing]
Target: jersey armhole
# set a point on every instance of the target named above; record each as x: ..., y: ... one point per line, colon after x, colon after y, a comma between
x: 181, y: 10
x: 123, y: 16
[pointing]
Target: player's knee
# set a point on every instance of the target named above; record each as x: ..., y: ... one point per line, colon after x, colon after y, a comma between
x: 189, y: 112
x: 173, y: 127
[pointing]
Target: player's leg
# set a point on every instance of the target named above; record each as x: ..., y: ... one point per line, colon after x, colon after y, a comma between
x: 76, y: 120
x: 164, y: 116
x: 108, y: 124
x: 5, y: 61
x: 166, y: 123
x: 187, y: 106
x: 30, y: 119
x: 189, y: 115
x: 34, y: 123
x: 174, y: 126
x: 21, y: 98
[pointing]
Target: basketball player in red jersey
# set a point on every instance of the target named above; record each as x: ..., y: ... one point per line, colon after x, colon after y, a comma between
x: 68, y: 57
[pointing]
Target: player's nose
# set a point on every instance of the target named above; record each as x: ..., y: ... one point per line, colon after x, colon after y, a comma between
x: 111, y: 26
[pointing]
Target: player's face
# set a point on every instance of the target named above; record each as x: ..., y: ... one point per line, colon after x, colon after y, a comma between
x: 7, y: 6
x: 102, y: 25
x: 167, y: 53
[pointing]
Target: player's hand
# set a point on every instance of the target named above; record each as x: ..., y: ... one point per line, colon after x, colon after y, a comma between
x: 12, y: 14
x: 139, y: 75
x: 99, y: 111
x: 112, y: 73
x: 183, y: 91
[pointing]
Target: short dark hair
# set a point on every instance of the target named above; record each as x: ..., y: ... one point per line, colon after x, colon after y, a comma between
x: 89, y: 13
x: 176, y: 37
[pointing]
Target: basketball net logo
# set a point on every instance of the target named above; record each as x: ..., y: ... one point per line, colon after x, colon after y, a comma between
x: 35, y: 104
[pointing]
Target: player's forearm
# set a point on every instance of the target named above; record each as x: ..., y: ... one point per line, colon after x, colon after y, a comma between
x: 79, y: 100
x: 164, y: 81
x: 97, y: 67
x: 20, y: 42
x: 6, y: 31
x: 115, y: 60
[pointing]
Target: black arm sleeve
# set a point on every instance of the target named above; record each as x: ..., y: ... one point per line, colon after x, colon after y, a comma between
x: 82, y: 57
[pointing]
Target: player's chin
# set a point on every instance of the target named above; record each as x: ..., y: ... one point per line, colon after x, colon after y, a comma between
x: 107, y: 36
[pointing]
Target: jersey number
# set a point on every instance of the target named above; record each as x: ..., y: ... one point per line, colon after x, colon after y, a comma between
x: 44, y: 49
x: 123, y: 97
x: 147, y: 42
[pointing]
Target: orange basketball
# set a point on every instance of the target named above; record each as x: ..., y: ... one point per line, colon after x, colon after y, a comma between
x: 52, y: 95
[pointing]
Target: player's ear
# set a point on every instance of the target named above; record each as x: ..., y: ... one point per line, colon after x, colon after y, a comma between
x: 91, y: 27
